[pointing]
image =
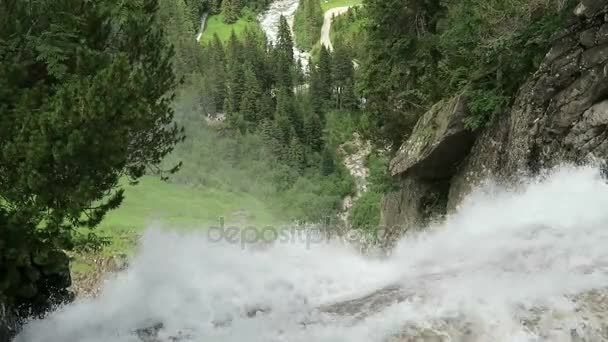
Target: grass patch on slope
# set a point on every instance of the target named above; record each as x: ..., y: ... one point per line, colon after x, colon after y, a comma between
x: 216, y: 25
x: 173, y: 206
x: 176, y: 206
x: 329, y: 4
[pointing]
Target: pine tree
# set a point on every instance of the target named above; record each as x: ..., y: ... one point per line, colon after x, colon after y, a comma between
x: 284, y: 40
x: 321, y: 82
x: 313, y: 131
x: 250, y: 101
x: 282, y: 57
x: 283, y: 115
x: 231, y: 10
x: 296, y: 157
x: 234, y: 49
x: 328, y: 164
x: 217, y: 62
x: 85, y: 102
x: 234, y: 78
x: 234, y: 89
x: 343, y: 78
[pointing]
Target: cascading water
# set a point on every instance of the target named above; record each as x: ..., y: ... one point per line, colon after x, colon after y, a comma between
x: 512, y: 265
x: 269, y: 21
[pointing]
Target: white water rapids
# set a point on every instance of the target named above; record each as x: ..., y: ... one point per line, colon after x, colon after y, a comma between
x: 509, y: 264
x: 269, y: 21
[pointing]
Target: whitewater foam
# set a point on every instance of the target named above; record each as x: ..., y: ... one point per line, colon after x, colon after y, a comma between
x: 510, y: 265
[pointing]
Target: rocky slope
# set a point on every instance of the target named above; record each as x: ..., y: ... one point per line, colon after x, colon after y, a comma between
x: 560, y: 115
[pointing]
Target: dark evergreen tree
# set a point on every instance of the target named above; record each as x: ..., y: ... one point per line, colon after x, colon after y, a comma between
x: 283, y: 115
x: 343, y: 79
x: 328, y: 164
x: 231, y: 10
x: 313, y: 131
x: 234, y: 91
x: 217, y: 62
x: 250, y: 101
x: 85, y: 101
x: 397, y: 55
x: 321, y: 82
x: 296, y: 157
x: 284, y: 43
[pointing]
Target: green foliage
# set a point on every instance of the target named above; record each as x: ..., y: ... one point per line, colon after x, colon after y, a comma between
x: 216, y: 25
x: 349, y: 30
x: 84, y: 101
x: 321, y: 81
x: 308, y: 21
x: 343, y: 79
x: 329, y: 4
x: 339, y: 128
x: 366, y: 210
x: 485, y: 49
x: 231, y: 10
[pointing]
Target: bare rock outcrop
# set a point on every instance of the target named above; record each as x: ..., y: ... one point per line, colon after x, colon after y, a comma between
x: 559, y: 115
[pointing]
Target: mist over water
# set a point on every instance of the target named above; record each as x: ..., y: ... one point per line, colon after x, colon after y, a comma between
x: 510, y: 265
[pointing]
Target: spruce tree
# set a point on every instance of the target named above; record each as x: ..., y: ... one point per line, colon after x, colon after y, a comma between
x: 343, y: 78
x: 85, y: 101
x: 234, y: 78
x: 296, y: 157
x: 320, y: 82
x: 325, y: 74
x: 283, y: 115
x: 328, y: 164
x: 217, y: 62
x: 231, y: 10
x: 284, y: 40
x: 313, y: 131
x: 250, y: 101
x: 234, y: 89
x: 282, y: 57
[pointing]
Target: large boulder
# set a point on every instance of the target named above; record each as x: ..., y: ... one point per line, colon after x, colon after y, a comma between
x: 424, y: 165
x: 437, y: 144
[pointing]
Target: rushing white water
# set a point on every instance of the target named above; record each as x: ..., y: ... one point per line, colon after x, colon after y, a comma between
x: 269, y: 21
x: 509, y: 265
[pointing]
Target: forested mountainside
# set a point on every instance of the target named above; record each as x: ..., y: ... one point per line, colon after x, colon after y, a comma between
x: 96, y: 97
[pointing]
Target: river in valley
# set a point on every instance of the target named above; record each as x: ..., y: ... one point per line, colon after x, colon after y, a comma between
x: 526, y: 264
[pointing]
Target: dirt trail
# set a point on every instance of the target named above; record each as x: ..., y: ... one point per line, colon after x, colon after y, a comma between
x: 326, y: 29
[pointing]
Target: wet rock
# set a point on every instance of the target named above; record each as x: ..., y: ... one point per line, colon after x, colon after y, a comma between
x: 153, y: 334
x: 589, y: 8
x: 416, y: 203
x: 438, y: 142
x: 424, y: 165
x: 150, y: 334
x: 363, y: 307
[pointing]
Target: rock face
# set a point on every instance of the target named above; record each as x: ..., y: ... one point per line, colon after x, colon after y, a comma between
x: 438, y: 142
x: 424, y: 165
x: 8, y: 323
x: 559, y: 115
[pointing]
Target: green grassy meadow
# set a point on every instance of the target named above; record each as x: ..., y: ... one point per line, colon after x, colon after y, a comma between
x: 175, y: 206
x: 215, y: 25
x: 329, y: 4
